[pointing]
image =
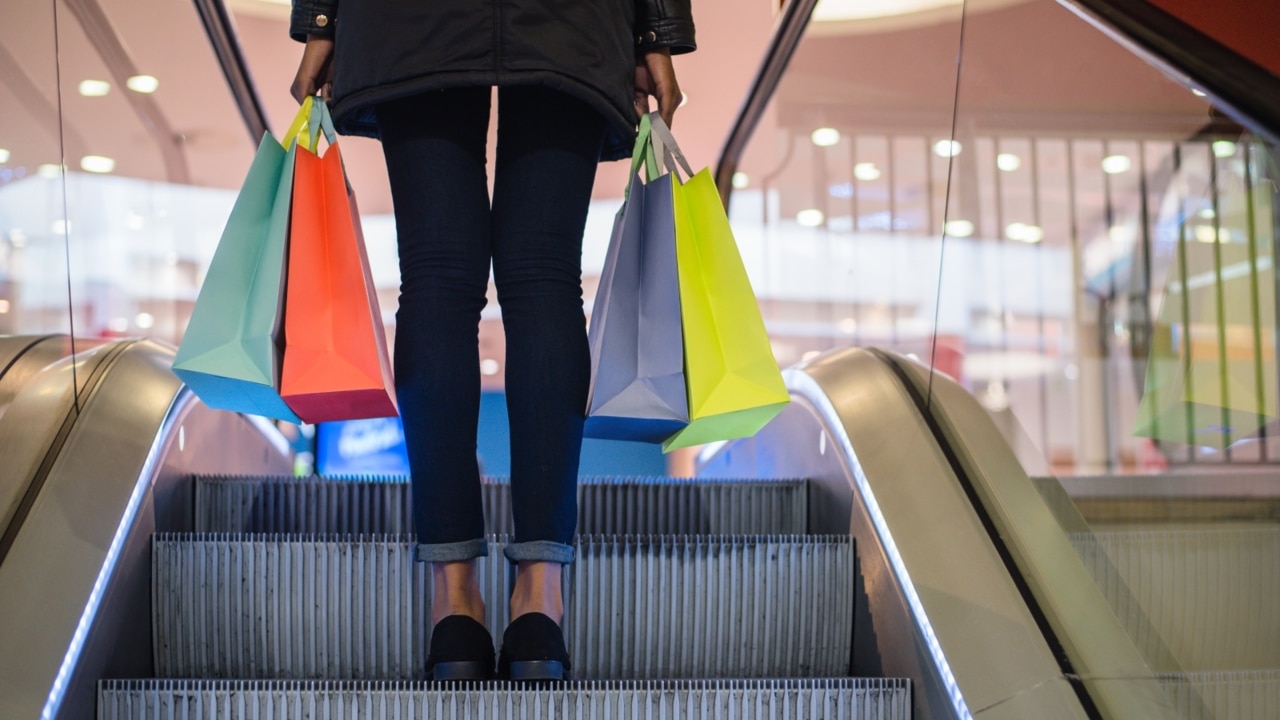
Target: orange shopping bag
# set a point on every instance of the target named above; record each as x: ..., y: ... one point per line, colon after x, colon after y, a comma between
x: 336, y: 365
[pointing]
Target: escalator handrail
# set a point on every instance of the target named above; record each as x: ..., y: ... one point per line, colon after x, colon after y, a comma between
x: 1241, y: 87
x: 786, y: 38
x: 226, y: 46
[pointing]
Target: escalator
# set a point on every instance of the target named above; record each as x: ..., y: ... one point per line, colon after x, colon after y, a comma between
x: 882, y: 550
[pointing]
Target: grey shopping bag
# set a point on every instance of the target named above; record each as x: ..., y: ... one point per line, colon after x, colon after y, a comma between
x: 638, y: 389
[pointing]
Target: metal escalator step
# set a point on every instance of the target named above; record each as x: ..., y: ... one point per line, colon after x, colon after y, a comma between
x: 636, y: 506
x: 241, y: 606
x: 1169, y: 587
x: 824, y: 699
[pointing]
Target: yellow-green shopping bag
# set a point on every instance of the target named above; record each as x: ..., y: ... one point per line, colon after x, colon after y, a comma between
x: 735, y: 386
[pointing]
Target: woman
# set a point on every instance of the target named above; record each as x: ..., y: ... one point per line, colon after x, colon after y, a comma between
x: 572, y: 77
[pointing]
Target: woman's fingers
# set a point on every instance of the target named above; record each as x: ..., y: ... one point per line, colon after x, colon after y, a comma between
x: 662, y: 83
x: 314, y: 70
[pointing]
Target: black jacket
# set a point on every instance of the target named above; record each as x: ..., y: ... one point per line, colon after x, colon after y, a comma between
x: 386, y: 49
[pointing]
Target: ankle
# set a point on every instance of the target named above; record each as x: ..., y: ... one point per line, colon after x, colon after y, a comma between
x: 538, y: 589
x: 456, y: 591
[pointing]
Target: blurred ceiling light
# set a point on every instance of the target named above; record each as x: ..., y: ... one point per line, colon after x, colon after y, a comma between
x: 825, y: 137
x: 1008, y: 162
x: 94, y: 88
x: 947, y: 148
x: 740, y: 181
x: 1206, y: 234
x: 145, y: 84
x: 1023, y: 232
x: 1224, y: 148
x: 866, y: 171
x: 1116, y: 164
x: 145, y: 320
x: 843, y: 10
x: 1198, y: 92
x: 118, y: 324
x: 958, y: 228
x: 489, y: 366
x: 4, y: 156
x: 97, y: 164
x: 17, y: 238
x: 134, y: 221
x: 60, y: 227
x: 810, y: 217
x: 49, y: 171
x: 4, y: 306
x: 848, y: 325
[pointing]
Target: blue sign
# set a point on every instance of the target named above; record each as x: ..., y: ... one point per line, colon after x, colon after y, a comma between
x: 361, y: 447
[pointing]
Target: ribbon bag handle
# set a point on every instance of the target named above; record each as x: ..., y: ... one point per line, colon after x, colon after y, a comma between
x: 295, y: 133
x: 673, y: 158
x: 320, y: 121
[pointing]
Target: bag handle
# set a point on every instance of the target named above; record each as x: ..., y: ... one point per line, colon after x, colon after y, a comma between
x: 642, y: 154
x: 320, y: 121
x: 670, y: 149
x: 295, y: 132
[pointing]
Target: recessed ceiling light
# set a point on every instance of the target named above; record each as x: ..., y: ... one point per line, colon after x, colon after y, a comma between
x: 49, y: 171
x: 489, y: 366
x: 1224, y: 148
x: 1008, y: 162
x: 4, y: 156
x: 848, y: 325
x: 60, y: 227
x: 947, y: 148
x: 825, y: 137
x: 94, y: 88
x: 145, y: 320
x: 1116, y: 164
x: 810, y: 218
x: 4, y: 306
x: 866, y: 171
x: 145, y: 84
x: 958, y: 228
x: 97, y: 164
x: 740, y: 181
x: 1023, y: 232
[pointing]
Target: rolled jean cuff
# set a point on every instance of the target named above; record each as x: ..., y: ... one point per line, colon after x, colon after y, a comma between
x: 539, y: 551
x: 452, y: 552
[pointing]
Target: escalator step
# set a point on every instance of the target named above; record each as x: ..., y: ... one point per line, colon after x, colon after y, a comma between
x: 241, y: 606
x: 826, y: 699
x: 636, y: 506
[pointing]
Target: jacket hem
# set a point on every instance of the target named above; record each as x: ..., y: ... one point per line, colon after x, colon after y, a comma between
x: 356, y: 113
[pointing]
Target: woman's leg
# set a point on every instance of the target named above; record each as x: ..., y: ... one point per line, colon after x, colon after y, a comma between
x: 548, y: 151
x: 435, y: 150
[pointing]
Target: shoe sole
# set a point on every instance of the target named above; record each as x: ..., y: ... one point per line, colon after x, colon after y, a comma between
x: 528, y: 670
x: 453, y: 671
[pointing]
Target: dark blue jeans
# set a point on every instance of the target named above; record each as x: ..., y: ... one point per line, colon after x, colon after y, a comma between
x: 449, y: 233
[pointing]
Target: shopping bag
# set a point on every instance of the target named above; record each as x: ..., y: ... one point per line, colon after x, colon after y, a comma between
x: 230, y: 354
x: 1211, y: 374
x: 637, y: 387
x: 336, y: 365
x: 734, y: 384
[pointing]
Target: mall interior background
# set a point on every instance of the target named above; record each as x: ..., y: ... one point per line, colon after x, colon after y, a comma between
x: 1016, y: 225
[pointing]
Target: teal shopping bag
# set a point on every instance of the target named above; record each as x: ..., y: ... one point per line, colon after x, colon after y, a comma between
x: 232, y: 349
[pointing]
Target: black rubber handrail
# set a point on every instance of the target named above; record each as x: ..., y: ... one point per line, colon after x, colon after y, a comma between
x: 786, y: 38
x: 1240, y: 87
x: 222, y: 37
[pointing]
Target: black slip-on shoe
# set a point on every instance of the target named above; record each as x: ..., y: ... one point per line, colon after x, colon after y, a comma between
x: 461, y: 649
x: 533, y: 649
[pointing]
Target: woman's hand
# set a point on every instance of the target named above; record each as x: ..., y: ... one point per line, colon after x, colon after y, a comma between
x: 315, y: 72
x: 657, y: 77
